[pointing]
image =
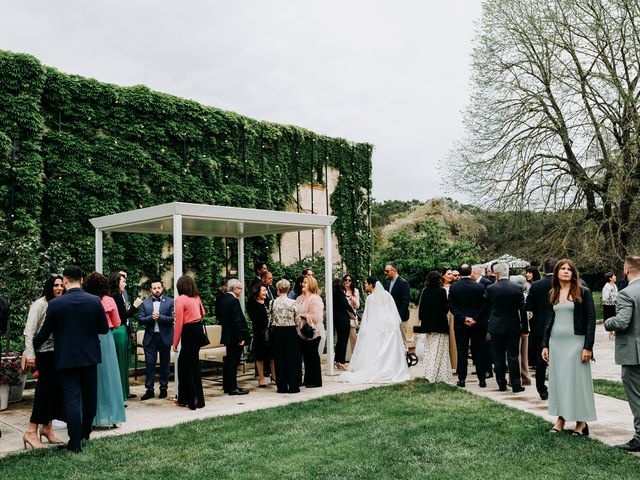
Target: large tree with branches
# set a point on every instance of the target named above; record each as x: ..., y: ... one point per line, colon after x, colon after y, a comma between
x: 553, y: 121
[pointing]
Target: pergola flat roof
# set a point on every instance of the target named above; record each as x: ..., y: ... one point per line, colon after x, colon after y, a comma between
x: 210, y: 221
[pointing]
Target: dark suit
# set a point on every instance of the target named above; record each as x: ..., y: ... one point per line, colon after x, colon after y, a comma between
x: 75, y: 319
x: 466, y: 299
x: 507, y: 320
x: 157, y: 342
x: 234, y: 331
x: 400, y: 294
x: 538, y: 303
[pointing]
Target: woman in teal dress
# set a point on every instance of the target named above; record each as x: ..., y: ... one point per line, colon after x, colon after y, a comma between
x: 568, y: 348
x: 110, y: 404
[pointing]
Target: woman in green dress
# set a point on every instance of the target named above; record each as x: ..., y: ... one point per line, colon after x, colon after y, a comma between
x: 568, y: 348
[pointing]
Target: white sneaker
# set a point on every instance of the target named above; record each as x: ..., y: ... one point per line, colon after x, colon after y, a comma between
x: 58, y: 424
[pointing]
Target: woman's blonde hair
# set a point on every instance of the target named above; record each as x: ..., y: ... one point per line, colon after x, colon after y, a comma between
x: 312, y: 285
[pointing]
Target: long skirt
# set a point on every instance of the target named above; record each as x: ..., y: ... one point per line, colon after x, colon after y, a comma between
x: 437, y: 367
x: 190, y: 387
x: 110, y: 405
x: 48, y: 401
x: 123, y: 352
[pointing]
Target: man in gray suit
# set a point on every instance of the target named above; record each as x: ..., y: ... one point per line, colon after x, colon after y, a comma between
x: 626, y: 325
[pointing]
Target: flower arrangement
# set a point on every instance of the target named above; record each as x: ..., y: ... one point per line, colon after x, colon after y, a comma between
x: 10, y: 370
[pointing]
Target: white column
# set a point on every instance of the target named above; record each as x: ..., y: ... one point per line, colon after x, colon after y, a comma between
x: 328, y: 293
x: 241, y: 270
x: 99, y: 250
x: 177, y: 252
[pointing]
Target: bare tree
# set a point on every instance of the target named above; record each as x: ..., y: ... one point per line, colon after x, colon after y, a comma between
x: 553, y: 120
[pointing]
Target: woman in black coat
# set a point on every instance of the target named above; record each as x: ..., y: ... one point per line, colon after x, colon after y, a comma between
x: 432, y: 312
x: 341, y: 321
x: 257, y: 311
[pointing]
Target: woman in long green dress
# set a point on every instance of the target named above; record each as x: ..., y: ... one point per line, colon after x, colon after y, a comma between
x: 568, y: 348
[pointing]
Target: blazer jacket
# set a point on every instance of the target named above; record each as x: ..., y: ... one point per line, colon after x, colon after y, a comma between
x: 466, y: 299
x: 400, y: 294
x: 75, y: 319
x: 538, y: 304
x: 626, y: 324
x: 507, y: 314
x: 341, y: 308
x: 231, y: 318
x: 432, y: 311
x: 165, y: 320
x: 584, y: 320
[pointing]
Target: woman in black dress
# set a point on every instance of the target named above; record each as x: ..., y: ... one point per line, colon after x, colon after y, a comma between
x: 341, y: 321
x: 257, y: 311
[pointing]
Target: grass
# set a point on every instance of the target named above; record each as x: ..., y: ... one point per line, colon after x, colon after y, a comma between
x: 610, y: 388
x: 414, y: 430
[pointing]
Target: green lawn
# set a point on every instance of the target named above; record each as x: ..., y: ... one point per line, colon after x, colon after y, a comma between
x: 610, y: 388
x: 409, y: 431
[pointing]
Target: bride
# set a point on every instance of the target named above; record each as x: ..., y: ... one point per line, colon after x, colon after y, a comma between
x: 380, y: 354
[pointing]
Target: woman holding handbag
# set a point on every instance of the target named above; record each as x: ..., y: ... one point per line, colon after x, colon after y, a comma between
x: 189, y: 331
x: 353, y: 296
x: 47, y: 400
x: 311, y: 309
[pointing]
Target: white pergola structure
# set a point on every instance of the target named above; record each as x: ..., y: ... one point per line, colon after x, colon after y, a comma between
x: 180, y: 219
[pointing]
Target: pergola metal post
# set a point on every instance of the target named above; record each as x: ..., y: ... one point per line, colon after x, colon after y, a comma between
x: 328, y: 292
x: 99, y: 262
x: 177, y: 252
x: 241, y: 270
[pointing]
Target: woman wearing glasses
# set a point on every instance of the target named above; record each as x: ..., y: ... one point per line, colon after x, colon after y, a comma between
x: 47, y: 401
x: 353, y: 295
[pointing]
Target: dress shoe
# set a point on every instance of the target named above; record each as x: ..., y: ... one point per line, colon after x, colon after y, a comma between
x: 147, y: 395
x: 68, y: 449
x: 163, y: 394
x: 48, y: 433
x: 518, y: 389
x: 632, y: 445
x: 131, y: 395
x: 483, y: 384
x: 544, y: 396
x: 502, y: 387
x: 460, y: 383
x: 238, y: 392
x: 313, y: 385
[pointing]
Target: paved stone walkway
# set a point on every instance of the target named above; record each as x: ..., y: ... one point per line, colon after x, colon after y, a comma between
x: 614, y: 425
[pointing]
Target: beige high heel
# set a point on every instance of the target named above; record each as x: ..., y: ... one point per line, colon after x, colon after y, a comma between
x: 33, y: 442
x: 51, y: 438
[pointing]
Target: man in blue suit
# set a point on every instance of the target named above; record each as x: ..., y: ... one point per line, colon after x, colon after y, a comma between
x: 399, y: 289
x: 75, y: 319
x: 156, y: 314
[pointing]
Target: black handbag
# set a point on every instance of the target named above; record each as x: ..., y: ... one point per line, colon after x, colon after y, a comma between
x: 203, y: 340
x: 307, y: 331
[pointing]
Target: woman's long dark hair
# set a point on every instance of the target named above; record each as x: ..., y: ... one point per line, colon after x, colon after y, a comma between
x: 187, y: 286
x: 575, y: 293
x: 337, y: 286
x: 535, y: 272
x: 47, y: 290
x: 434, y: 279
x: 114, y: 282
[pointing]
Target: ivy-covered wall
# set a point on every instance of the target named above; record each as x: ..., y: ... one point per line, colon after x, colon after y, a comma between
x: 73, y: 148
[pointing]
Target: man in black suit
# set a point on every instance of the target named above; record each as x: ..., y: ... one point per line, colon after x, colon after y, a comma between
x: 538, y: 304
x: 157, y: 316
x: 260, y: 268
x: 75, y: 319
x: 399, y: 289
x: 507, y: 323
x: 468, y: 306
x: 267, y: 282
x: 235, y: 334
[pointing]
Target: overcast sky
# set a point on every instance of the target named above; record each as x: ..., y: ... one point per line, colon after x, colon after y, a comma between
x: 391, y: 73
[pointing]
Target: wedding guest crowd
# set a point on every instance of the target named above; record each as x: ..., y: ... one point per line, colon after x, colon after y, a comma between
x: 501, y: 319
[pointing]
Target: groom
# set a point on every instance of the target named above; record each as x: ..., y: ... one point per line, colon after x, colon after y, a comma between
x: 398, y: 287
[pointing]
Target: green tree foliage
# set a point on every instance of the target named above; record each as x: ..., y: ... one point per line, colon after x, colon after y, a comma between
x: 73, y: 148
x: 553, y: 123
x: 417, y: 251
x: 382, y: 212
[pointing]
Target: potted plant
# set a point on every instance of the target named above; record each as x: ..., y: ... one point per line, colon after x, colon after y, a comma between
x: 10, y: 375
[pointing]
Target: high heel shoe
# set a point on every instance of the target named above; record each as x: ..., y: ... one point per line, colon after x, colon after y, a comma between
x: 555, y: 429
x: 582, y: 433
x: 340, y: 366
x: 33, y: 442
x: 51, y: 438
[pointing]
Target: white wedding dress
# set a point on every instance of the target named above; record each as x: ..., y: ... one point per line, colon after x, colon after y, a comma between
x: 380, y: 353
